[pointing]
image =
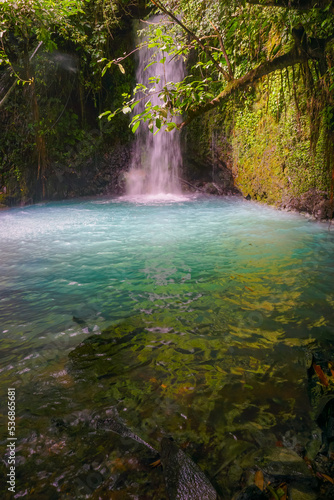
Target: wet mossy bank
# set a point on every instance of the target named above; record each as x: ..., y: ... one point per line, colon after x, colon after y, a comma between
x: 276, y: 140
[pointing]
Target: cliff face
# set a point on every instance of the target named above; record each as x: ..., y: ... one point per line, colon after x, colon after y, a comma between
x: 282, y: 147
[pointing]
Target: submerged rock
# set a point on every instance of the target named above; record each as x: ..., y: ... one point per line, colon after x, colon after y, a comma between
x: 184, y: 479
x: 301, y: 494
x: 251, y: 493
x: 115, y: 424
x: 287, y: 464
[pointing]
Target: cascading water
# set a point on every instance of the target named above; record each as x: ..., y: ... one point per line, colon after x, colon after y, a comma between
x: 156, y: 158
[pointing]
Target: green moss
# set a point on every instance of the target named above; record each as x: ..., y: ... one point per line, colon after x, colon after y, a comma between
x: 272, y: 153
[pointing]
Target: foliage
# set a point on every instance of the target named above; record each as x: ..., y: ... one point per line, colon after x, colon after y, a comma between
x: 228, y: 46
x: 31, y: 22
x: 55, y: 47
x: 271, y: 145
x: 233, y: 44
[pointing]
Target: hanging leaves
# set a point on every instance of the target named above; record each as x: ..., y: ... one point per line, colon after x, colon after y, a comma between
x: 135, y: 126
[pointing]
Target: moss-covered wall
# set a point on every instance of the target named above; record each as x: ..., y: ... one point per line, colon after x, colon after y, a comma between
x: 273, y: 155
x: 276, y: 140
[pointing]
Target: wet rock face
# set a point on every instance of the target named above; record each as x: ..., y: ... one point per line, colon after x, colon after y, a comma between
x: 116, y: 165
x: 216, y: 188
x: 208, y: 157
x: 313, y: 202
x: 101, y: 174
x: 223, y: 185
x: 286, y: 463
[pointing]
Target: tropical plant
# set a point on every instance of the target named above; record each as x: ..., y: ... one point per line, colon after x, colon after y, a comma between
x: 234, y: 44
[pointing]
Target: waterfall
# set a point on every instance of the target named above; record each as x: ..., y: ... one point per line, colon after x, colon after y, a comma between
x: 156, y: 159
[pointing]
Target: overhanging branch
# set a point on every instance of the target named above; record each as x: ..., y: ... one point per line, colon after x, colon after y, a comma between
x: 192, y: 35
x: 294, y: 56
x: 295, y: 4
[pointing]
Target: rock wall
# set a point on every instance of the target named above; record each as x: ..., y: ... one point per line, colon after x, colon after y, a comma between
x: 208, y: 155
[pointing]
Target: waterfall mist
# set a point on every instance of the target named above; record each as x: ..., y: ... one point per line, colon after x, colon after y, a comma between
x: 156, y: 159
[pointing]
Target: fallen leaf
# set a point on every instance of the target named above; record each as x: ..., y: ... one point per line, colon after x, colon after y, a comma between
x: 259, y: 480
x: 221, y: 370
x: 322, y: 377
x: 328, y: 478
x: 156, y: 464
x: 308, y: 463
x: 273, y: 494
x: 331, y: 367
x: 282, y: 491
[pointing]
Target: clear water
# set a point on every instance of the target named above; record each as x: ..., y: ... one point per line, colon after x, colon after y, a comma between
x: 196, y: 316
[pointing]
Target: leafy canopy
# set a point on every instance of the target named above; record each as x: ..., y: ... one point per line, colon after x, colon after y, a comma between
x: 31, y: 22
x: 231, y: 44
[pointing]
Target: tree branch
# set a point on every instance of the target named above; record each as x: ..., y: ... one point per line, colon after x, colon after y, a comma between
x: 294, y: 56
x: 158, y: 4
x: 294, y: 4
x: 230, y: 72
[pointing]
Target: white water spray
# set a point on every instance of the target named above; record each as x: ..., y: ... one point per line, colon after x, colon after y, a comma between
x: 156, y: 159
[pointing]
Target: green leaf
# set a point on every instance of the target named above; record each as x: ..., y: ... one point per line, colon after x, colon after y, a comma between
x: 104, y: 114
x: 170, y: 126
x: 122, y: 70
x: 136, y: 125
x: 134, y: 104
x: 150, y: 64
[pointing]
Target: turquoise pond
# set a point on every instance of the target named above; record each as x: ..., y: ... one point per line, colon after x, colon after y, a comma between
x: 193, y: 318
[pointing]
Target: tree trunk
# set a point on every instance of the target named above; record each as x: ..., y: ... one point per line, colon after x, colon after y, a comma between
x: 39, y: 136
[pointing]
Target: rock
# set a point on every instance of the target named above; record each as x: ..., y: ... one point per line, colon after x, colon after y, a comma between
x: 234, y: 473
x: 313, y: 202
x: 281, y: 462
x: 313, y: 447
x: 250, y: 493
x: 301, y: 494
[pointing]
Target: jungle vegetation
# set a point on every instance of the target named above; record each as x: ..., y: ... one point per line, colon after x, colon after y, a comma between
x: 69, y: 65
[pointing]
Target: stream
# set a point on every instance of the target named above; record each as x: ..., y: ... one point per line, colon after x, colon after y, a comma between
x: 193, y: 316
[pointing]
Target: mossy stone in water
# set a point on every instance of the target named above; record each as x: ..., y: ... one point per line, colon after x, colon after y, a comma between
x: 286, y: 463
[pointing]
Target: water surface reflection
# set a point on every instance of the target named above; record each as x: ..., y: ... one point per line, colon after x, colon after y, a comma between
x: 194, y: 319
